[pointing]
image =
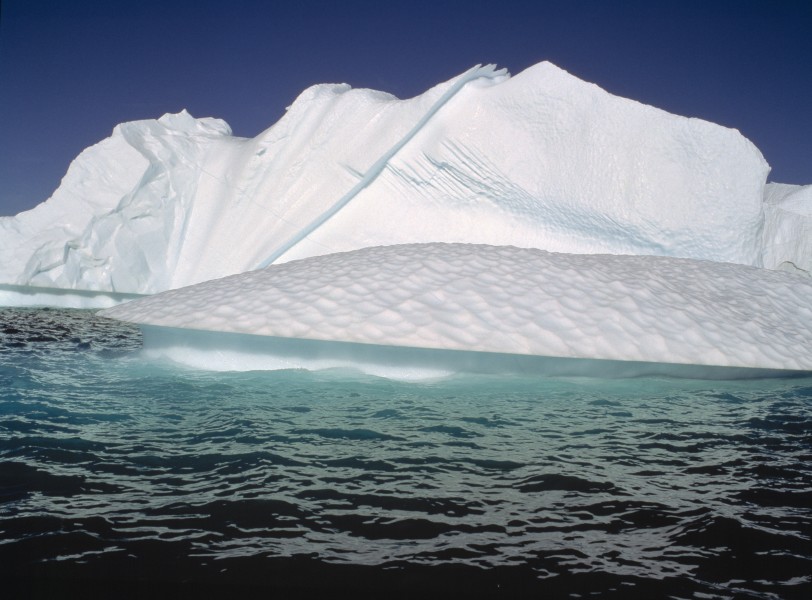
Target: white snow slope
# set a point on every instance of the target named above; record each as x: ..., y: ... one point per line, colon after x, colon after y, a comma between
x: 503, y: 303
x: 539, y: 160
x: 788, y: 228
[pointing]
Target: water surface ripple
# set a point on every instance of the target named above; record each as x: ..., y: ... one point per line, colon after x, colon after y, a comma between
x: 113, y: 469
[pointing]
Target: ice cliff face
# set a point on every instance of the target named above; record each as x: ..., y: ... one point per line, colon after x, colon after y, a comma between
x: 117, y: 220
x: 788, y: 228
x: 539, y: 160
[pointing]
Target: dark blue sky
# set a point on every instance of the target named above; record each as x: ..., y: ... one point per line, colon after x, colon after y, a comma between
x: 71, y: 70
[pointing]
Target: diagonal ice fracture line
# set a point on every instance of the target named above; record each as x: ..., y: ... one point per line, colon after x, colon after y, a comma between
x: 477, y: 72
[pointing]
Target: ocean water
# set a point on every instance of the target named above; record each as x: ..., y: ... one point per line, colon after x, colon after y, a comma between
x: 124, y: 477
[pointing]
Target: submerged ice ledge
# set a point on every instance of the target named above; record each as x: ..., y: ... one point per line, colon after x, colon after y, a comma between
x: 218, y: 351
x: 432, y: 309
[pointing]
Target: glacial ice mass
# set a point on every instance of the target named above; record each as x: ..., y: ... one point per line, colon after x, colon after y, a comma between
x: 528, y: 223
x: 503, y: 300
x: 538, y: 160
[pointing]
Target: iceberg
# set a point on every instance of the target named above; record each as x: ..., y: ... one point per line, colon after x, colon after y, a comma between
x: 536, y: 160
x: 423, y: 310
x: 513, y: 224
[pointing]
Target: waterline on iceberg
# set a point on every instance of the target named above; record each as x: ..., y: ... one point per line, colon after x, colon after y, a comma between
x: 218, y: 351
x: 33, y: 296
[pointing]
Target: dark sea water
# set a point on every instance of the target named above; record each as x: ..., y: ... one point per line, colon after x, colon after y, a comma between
x: 125, y: 478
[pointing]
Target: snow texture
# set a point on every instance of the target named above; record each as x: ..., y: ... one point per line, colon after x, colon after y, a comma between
x: 499, y: 300
x: 538, y: 160
x: 788, y: 228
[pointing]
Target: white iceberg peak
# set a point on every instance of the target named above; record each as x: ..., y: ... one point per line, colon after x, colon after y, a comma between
x: 539, y: 160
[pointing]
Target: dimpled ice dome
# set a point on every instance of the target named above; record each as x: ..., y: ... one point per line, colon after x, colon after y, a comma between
x: 479, y: 307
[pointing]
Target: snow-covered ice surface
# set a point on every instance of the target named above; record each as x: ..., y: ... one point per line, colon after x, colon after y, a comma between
x: 541, y: 159
x: 428, y: 309
x: 788, y: 227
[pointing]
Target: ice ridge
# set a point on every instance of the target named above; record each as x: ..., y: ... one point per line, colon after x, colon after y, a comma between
x: 477, y: 72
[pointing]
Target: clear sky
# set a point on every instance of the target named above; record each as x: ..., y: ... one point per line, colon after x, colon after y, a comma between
x: 70, y: 70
